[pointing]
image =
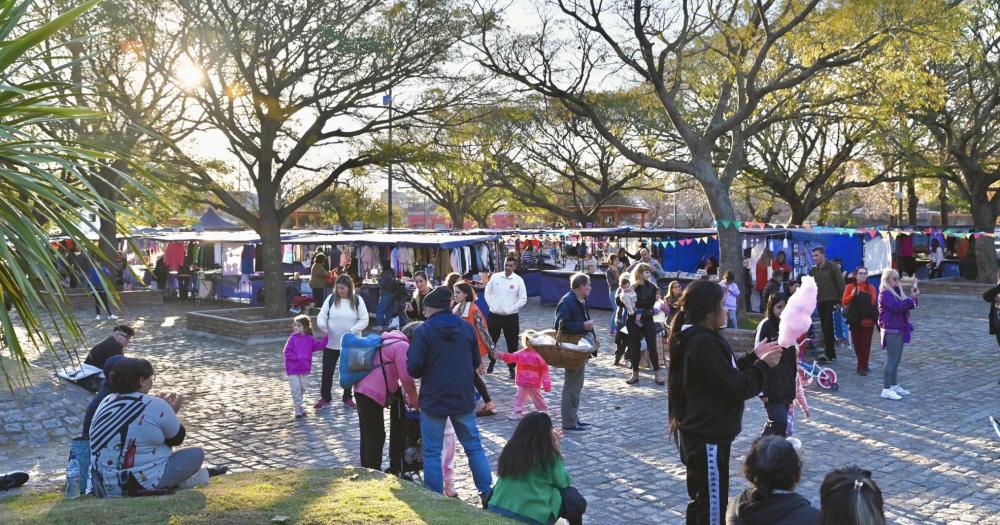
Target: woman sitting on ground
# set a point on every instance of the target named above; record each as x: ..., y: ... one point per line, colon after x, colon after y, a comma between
x: 132, y: 437
x: 773, y: 469
x: 533, y: 485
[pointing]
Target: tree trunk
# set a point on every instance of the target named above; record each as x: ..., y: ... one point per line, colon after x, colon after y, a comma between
x: 730, y: 252
x: 457, y: 216
x: 799, y: 213
x: 274, y: 278
x: 984, y: 219
x: 912, y: 201
x: 943, y: 201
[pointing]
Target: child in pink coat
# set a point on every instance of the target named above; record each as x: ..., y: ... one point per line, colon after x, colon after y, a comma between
x: 532, y: 376
x: 298, y: 358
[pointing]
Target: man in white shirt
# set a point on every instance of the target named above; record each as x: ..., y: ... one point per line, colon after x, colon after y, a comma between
x: 505, y: 295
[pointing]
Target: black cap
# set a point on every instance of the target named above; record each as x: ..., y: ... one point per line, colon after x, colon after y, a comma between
x: 439, y: 297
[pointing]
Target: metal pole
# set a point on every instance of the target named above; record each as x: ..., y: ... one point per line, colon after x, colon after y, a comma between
x: 389, y: 227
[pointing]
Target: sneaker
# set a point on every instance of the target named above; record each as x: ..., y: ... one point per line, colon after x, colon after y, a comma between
x: 12, y: 480
x: 484, y: 498
x: 862, y: 372
x: 827, y: 360
x: 577, y: 428
x: 888, y: 393
x: 515, y: 416
x: 299, y: 413
x: 113, y: 317
x: 995, y: 424
x: 350, y: 403
x: 98, y: 318
x: 217, y: 471
x: 320, y: 404
x: 900, y: 390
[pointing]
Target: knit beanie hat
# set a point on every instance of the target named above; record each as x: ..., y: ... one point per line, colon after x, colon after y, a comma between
x: 439, y: 297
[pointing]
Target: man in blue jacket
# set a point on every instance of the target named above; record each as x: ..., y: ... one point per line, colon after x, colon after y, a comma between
x: 572, y: 317
x: 444, y: 355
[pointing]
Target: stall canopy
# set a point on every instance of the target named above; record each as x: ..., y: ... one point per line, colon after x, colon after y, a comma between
x: 210, y: 221
x: 413, y: 240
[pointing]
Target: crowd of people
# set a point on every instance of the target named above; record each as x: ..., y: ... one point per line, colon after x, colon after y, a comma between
x: 435, y: 361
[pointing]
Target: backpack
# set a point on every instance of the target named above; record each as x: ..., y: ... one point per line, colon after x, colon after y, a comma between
x: 357, y: 357
x: 860, y: 309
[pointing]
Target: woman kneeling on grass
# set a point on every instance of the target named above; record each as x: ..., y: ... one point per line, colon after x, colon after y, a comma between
x: 132, y: 436
x: 533, y: 485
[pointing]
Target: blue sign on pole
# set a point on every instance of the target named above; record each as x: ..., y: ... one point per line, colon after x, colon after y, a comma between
x: 386, y: 100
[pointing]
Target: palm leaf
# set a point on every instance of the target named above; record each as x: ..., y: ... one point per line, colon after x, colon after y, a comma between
x: 45, y: 185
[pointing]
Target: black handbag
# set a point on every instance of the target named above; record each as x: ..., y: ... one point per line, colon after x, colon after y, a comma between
x: 860, y: 309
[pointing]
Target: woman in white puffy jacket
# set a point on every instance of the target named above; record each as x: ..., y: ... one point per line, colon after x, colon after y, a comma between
x: 343, y: 311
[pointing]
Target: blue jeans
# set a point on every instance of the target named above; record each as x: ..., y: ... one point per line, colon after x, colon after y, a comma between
x: 384, y: 309
x: 612, y: 321
x: 432, y: 433
x: 733, y: 322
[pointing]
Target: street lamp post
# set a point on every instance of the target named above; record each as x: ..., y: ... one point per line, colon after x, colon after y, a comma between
x: 387, y: 100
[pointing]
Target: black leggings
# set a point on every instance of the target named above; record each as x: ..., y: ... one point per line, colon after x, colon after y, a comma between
x: 330, y: 358
x: 636, y: 334
x: 481, y: 387
x: 371, y: 422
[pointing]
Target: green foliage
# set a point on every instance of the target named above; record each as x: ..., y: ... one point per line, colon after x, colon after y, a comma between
x: 45, y: 185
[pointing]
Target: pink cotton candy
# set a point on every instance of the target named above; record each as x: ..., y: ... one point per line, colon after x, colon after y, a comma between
x: 797, y: 316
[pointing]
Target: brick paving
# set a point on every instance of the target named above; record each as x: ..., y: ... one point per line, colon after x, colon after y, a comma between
x: 933, y: 454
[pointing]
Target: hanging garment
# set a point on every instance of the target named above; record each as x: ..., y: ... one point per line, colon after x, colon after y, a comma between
x: 287, y: 257
x: 247, y: 260
x: 878, y: 254
x: 174, y: 256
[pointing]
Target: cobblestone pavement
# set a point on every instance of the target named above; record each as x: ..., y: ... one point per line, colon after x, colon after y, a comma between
x: 933, y: 454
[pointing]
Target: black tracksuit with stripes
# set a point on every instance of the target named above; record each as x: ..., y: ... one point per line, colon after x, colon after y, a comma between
x: 716, y: 384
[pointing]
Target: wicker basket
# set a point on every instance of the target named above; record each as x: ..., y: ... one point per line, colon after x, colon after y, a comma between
x: 558, y: 356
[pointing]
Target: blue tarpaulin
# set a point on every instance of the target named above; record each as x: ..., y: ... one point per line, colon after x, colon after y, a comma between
x: 850, y: 248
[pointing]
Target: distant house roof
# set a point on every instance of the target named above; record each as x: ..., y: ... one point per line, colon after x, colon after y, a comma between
x: 210, y: 221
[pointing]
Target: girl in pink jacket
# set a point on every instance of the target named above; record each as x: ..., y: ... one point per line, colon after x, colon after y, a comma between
x: 298, y: 358
x: 532, y: 376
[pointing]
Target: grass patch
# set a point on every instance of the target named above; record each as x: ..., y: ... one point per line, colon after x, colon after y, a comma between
x: 306, y: 497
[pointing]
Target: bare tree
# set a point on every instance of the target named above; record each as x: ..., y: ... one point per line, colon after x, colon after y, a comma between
x: 561, y: 164
x: 295, y: 88
x: 806, y: 161
x: 710, y: 64
x: 106, y: 62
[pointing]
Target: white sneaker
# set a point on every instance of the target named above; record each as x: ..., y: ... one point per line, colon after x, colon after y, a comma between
x: 900, y: 390
x: 888, y: 393
x: 98, y: 318
x: 112, y: 317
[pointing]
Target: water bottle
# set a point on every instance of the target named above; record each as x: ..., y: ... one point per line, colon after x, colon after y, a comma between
x: 430, y: 272
x: 72, y: 478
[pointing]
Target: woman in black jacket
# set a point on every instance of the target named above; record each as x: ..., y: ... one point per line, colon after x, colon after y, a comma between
x: 708, y: 386
x: 779, y: 390
x: 640, y: 325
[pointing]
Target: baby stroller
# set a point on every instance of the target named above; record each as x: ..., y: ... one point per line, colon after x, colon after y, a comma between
x: 825, y: 377
x: 406, y: 451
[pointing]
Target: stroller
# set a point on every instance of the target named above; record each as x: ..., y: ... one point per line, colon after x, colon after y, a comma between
x: 406, y: 452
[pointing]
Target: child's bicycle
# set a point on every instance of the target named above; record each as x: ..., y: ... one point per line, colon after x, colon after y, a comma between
x: 825, y: 377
